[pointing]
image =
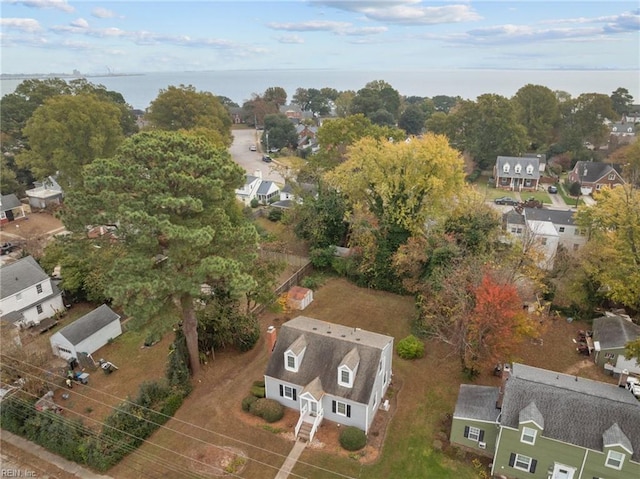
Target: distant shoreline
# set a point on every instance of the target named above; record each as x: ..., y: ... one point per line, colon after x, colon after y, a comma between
x: 43, y: 76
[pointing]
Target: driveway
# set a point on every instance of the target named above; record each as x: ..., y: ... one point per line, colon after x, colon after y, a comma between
x: 252, y: 160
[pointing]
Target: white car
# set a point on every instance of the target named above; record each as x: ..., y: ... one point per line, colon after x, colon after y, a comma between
x: 253, y: 148
x: 633, y: 385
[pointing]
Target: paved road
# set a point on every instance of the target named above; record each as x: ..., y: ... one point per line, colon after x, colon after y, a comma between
x: 252, y: 160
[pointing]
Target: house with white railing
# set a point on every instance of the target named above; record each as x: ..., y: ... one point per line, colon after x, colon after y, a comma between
x: 328, y: 371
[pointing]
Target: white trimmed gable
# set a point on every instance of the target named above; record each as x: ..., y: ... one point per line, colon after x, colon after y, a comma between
x: 294, y: 355
x: 348, y: 368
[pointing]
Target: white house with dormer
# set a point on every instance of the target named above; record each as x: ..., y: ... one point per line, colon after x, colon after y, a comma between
x: 27, y: 294
x: 517, y: 173
x: 256, y: 188
x: 329, y: 371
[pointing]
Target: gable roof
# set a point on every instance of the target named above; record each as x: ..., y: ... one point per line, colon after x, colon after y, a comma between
x: 18, y: 276
x: 575, y: 410
x: 592, y: 171
x: 9, y: 202
x: 327, y: 346
x: 89, y: 324
x: 512, y: 161
x: 267, y: 187
x: 477, y: 402
x: 614, y: 331
x: 557, y: 217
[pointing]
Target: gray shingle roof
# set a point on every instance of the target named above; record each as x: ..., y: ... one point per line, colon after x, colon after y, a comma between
x: 592, y: 171
x: 512, y: 161
x: 614, y: 331
x: 477, y: 402
x: 265, y: 187
x: 327, y: 345
x: 575, y: 410
x: 614, y: 436
x: 20, y: 275
x: 89, y: 324
x: 9, y: 202
x: 531, y: 413
x: 557, y: 217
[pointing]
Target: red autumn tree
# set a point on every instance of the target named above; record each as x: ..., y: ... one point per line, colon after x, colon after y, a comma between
x: 497, y: 324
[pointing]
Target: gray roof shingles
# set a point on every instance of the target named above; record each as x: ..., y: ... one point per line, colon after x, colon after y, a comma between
x: 18, y: 276
x: 614, y: 332
x: 89, y: 324
x: 557, y: 217
x: 477, y: 402
x: 327, y: 346
x: 575, y: 410
x: 512, y: 161
x: 592, y: 171
x: 9, y: 202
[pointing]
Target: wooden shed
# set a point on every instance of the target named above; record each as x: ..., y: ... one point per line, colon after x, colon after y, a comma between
x: 299, y: 297
x: 87, y: 334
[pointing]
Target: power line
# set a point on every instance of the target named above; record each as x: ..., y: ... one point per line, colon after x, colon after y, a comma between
x: 229, y: 438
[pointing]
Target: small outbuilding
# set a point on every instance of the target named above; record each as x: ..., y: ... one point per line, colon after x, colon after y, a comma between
x: 299, y: 297
x: 87, y: 334
x: 611, y: 333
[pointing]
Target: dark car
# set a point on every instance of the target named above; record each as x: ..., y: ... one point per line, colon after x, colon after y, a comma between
x: 505, y: 200
x: 6, y: 248
x: 552, y: 189
x: 267, y: 159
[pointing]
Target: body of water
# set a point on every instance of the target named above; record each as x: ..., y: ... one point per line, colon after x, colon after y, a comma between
x: 139, y: 90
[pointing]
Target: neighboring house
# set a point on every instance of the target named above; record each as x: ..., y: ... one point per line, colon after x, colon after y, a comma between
x: 631, y: 117
x: 547, y: 425
x: 329, y: 371
x: 557, y: 226
x: 610, y: 335
x: 295, y: 113
x: 307, y: 136
x: 10, y: 208
x: 517, y: 173
x: 45, y: 193
x: 593, y: 176
x: 267, y: 191
x: 87, y: 334
x: 28, y: 295
x: 256, y: 188
x: 288, y: 198
x: 622, y: 129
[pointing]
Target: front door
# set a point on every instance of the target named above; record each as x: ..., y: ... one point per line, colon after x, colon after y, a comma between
x: 560, y: 471
x: 312, y: 407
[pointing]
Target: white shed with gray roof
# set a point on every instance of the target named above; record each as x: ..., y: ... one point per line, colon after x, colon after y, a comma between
x: 87, y: 334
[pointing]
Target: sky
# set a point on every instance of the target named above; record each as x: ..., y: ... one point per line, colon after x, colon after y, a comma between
x: 58, y: 36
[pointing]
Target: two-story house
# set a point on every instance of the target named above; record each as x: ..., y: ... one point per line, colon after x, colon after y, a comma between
x: 546, y: 230
x: 611, y: 333
x: 329, y: 371
x: 517, y: 173
x: 27, y: 295
x: 548, y: 425
x: 256, y: 188
x: 594, y: 175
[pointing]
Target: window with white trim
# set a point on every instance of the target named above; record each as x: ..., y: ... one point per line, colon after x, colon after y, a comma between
x: 341, y: 408
x: 288, y: 392
x: 530, y: 170
x: 523, y: 463
x: 614, y: 460
x: 505, y: 168
x: 528, y: 435
x: 39, y: 288
x: 612, y: 176
x: 345, y: 377
x: 517, y: 169
x: 474, y: 433
x: 290, y: 362
x: 39, y: 309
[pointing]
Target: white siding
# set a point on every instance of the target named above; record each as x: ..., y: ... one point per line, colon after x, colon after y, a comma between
x: 100, y: 338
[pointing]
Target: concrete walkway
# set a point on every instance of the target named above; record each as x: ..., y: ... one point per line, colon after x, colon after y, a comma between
x: 291, y: 460
x: 59, y: 462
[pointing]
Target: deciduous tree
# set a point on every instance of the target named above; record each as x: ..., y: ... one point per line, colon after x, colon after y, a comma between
x: 538, y: 112
x: 179, y: 226
x: 279, y: 132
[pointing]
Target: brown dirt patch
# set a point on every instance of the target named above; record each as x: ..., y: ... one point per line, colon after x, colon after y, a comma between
x: 35, y: 224
x: 218, y: 461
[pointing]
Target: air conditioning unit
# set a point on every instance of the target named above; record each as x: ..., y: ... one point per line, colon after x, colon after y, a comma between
x: 482, y: 445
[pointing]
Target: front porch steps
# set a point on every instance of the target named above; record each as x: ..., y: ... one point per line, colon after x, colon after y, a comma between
x: 305, y: 431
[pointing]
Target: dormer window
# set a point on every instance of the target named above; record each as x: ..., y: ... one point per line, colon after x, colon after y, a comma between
x: 518, y: 168
x: 615, y: 460
x: 293, y: 356
x: 506, y: 168
x: 530, y: 170
x: 528, y: 435
x: 348, y: 368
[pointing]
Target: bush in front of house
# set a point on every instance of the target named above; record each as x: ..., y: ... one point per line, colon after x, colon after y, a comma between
x: 268, y: 409
x: 410, y: 348
x: 258, y: 391
x: 248, y: 401
x: 275, y: 214
x: 254, y: 203
x: 352, y: 438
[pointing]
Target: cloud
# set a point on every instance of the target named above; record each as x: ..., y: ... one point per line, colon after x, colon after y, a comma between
x: 100, y: 12
x: 28, y: 25
x: 290, y: 39
x: 80, y: 23
x: 54, y: 4
x: 338, y: 28
x: 405, y: 12
x: 627, y: 21
x: 509, y: 34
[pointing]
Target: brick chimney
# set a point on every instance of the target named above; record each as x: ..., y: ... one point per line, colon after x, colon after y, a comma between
x: 271, y: 339
x: 504, y: 377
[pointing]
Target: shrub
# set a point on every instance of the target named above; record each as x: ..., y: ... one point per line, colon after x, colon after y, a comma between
x: 275, y: 214
x: 410, y: 348
x: 268, y: 409
x: 312, y: 282
x: 321, y: 257
x: 259, y: 383
x: 352, y: 438
x: 257, y: 391
x: 255, y: 203
x: 247, y: 402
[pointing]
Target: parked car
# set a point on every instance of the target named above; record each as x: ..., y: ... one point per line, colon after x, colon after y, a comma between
x: 252, y: 148
x: 6, y: 248
x: 552, y: 189
x: 267, y: 159
x: 505, y: 200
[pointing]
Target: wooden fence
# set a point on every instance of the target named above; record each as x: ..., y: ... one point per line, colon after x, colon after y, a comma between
x: 294, y: 280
